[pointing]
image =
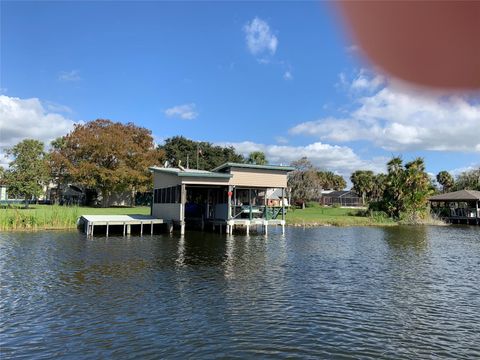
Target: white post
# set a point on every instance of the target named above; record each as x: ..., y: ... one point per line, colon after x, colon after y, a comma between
x: 248, y: 229
x: 183, y: 200
x: 107, y: 228
x: 151, y: 228
x: 141, y: 228
x: 124, y: 229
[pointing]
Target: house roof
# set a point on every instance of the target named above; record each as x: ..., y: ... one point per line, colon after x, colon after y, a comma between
x: 253, y: 166
x: 190, y: 172
x: 338, y: 194
x: 461, y: 195
x: 276, y: 194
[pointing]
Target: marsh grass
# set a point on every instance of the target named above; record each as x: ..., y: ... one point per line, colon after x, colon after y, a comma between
x: 51, y: 217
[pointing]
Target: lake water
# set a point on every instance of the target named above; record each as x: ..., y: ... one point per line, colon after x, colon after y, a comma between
x: 407, y: 292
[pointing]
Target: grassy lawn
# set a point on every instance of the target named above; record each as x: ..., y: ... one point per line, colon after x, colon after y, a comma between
x: 333, y: 216
x: 45, y: 217
x: 38, y: 217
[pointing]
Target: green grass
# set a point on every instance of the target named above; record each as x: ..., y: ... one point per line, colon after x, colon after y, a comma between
x: 333, y: 216
x: 49, y: 217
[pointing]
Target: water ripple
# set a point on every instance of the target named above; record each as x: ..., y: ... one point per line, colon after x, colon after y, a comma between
x: 350, y: 293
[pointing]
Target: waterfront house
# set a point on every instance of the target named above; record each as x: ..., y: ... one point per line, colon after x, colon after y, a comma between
x: 230, y: 195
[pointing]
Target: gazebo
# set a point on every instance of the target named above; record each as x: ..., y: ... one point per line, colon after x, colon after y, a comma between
x: 461, y: 206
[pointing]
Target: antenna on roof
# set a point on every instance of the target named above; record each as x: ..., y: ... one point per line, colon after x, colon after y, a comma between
x: 166, y: 164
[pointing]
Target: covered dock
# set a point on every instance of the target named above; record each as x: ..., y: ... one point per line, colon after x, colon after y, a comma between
x: 460, y: 207
x: 230, y: 196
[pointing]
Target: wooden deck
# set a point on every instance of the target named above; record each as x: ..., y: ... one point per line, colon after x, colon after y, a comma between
x: 90, y: 221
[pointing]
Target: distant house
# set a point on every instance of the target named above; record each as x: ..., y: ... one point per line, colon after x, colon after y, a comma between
x: 275, y: 197
x: 347, y: 198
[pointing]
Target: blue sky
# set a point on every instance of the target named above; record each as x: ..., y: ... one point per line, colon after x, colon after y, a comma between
x: 278, y: 77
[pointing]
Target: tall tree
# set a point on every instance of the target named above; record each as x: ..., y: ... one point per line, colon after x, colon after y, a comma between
x: 445, y: 179
x: 28, y: 170
x: 363, y: 183
x: 108, y: 156
x: 407, y: 189
x: 58, y: 166
x: 304, y: 182
x: 330, y: 180
x: 180, y: 150
x: 469, y: 180
x: 257, y: 158
x: 379, y: 184
x: 417, y: 188
x: 394, y: 188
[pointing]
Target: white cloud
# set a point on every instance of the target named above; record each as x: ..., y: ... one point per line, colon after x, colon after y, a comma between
x: 398, y: 120
x: 366, y: 81
x: 288, y: 75
x: 281, y: 140
x: 340, y: 159
x: 73, y: 75
x: 458, y: 171
x: 28, y: 118
x: 260, y: 39
x: 186, y: 112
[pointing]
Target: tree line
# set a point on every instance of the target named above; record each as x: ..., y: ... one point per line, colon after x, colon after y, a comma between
x: 404, y: 190
x: 114, y: 157
x: 401, y: 193
x: 109, y: 157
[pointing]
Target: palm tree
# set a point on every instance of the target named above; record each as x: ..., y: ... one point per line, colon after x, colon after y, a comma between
x: 257, y: 158
x: 363, y: 183
x: 446, y: 180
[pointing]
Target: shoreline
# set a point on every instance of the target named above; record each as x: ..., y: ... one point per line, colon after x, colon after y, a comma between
x: 57, y: 218
x: 290, y: 225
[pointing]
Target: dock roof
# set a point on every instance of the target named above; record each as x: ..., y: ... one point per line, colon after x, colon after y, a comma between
x: 461, y: 195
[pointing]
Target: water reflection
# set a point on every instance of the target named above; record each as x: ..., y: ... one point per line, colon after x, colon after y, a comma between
x: 403, y: 238
x: 319, y: 293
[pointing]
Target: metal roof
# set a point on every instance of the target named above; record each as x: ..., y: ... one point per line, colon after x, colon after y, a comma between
x: 253, y: 166
x: 277, y: 194
x: 190, y: 172
x: 342, y: 193
x: 461, y: 195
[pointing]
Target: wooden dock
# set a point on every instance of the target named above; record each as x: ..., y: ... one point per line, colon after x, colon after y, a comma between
x: 126, y: 221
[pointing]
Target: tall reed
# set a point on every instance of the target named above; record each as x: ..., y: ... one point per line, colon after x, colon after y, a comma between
x: 35, y: 218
